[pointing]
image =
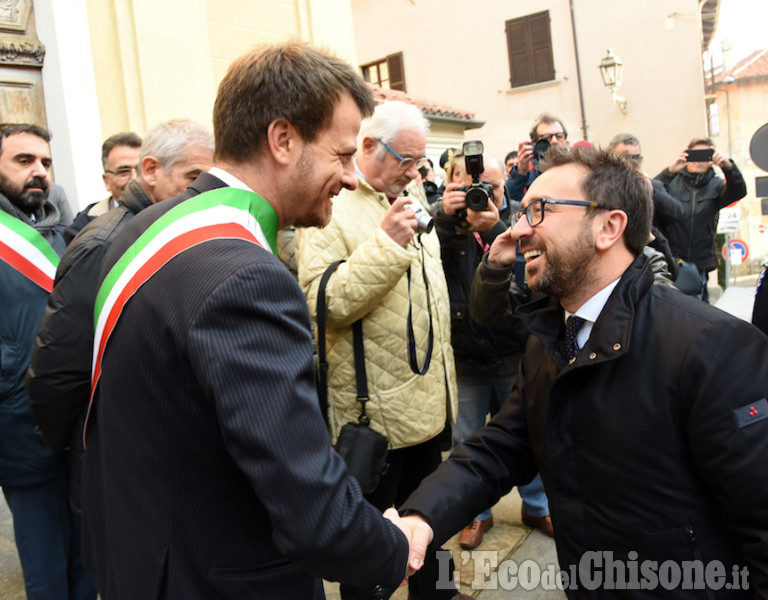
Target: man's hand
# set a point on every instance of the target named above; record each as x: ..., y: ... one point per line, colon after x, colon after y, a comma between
x: 419, y: 535
x: 483, y: 220
x: 679, y: 163
x: 400, y: 224
x: 503, y: 250
x: 524, y: 157
x: 453, y: 199
x: 721, y: 160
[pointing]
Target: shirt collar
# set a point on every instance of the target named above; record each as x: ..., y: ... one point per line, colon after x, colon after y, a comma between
x: 229, y: 179
x: 590, y: 311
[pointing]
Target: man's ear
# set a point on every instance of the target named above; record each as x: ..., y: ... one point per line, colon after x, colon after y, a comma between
x: 610, y: 228
x: 369, y: 145
x: 282, y: 140
x: 149, y: 168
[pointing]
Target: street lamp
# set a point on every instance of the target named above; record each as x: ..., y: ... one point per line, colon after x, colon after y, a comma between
x: 611, y: 68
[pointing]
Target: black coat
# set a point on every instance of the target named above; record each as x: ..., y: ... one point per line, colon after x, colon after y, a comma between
x: 479, y: 351
x: 59, y: 377
x: 644, y: 443
x: 209, y: 472
x: 692, y: 236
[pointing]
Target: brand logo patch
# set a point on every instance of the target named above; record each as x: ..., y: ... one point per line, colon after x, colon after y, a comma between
x: 751, y: 413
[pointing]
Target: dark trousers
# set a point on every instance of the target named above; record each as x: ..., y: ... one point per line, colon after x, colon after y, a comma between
x: 407, y: 467
x: 48, y: 539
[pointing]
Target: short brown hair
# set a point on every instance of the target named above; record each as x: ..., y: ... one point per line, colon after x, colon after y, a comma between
x: 545, y: 118
x: 613, y: 181
x: 285, y: 81
x: 700, y: 142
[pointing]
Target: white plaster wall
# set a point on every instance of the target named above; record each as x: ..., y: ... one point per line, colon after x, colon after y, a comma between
x: 70, y: 99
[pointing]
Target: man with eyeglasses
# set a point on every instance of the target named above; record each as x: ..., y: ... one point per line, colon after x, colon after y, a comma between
x: 643, y: 408
x: 120, y: 160
x: 392, y: 279
x: 548, y: 128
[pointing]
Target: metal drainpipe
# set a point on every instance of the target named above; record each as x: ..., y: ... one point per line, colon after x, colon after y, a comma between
x: 578, y: 75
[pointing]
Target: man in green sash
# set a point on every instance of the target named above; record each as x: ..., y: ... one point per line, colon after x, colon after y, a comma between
x: 208, y: 469
x: 33, y: 478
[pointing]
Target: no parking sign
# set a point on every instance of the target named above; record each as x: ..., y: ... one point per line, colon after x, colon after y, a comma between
x: 738, y: 251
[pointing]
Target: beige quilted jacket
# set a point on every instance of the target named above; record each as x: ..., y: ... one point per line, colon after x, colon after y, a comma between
x: 408, y: 408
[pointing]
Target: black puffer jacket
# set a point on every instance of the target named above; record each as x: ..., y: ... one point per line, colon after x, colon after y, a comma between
x: 478, y: 350
x: 692, y: 236
x: 646, y: 443
x: 59, y: 377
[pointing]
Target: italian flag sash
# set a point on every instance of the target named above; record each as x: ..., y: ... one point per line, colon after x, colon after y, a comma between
x: 226, y: 213
x: 24, y: 249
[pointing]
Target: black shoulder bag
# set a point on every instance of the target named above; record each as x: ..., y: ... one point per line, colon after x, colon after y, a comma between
x: 362, y: 448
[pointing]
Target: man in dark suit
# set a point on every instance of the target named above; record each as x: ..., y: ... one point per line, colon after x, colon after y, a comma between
x: 208, y: 470
x: 643, y: 408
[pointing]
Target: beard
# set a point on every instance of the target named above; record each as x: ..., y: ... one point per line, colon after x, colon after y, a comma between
x: 23, y: 198
x: 568, y: 268
x: 308, y: 215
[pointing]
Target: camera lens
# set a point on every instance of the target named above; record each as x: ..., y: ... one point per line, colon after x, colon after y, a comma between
x: 476, y: 198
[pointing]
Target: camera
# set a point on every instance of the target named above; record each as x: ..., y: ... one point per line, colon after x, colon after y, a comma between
x: 540, y: 150
x: 424, y: 221
x: 479, y: 192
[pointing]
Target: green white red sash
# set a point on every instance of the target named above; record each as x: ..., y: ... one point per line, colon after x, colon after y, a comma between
x: 24, y: 249
x: 226, y: 213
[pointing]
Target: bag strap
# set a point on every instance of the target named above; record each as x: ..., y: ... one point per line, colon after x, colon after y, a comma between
x: 412, y: 360
x: 322, y: 363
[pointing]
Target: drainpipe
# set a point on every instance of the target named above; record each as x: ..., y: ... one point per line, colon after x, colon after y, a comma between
x: 578, y: 75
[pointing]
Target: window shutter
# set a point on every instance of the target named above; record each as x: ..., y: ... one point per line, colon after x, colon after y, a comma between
x: 529, y: 44
x: 396, y: 71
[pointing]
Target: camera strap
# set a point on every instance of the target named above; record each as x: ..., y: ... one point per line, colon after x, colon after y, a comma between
x: 412, y: 361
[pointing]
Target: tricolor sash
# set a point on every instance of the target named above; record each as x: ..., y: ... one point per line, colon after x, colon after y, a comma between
x: 24, y: 249
x: 226, y: 213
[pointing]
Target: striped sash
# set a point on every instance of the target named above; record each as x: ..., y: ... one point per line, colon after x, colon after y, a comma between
x: 24, y: 249
x: 226, y: 213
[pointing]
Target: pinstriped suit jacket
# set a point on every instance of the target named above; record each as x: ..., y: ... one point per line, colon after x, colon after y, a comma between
x: 209, y: 472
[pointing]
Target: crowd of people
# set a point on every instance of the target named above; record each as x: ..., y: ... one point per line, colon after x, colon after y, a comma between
x: 162, y: 433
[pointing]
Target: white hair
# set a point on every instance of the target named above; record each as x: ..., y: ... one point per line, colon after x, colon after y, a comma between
x: 168, y: 142
x: 389, y: 119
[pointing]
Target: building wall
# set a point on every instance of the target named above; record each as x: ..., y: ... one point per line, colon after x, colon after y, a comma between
x: 155, y: 60
x: 458, y: 56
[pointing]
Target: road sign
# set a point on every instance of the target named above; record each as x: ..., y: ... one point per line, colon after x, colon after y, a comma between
x: 738, y: 252
x: 728, y: 222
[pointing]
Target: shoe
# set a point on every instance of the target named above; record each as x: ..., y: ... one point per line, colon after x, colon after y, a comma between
x: 542, y: 523
x: 472, y: 535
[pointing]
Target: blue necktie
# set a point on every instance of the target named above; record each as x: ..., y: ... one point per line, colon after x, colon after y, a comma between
x: 572, y: 326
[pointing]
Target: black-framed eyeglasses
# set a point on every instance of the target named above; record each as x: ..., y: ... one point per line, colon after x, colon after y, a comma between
x: 405, y: 163
x: 534, y: 212
x: 123, y: 172
x: 635, y: 157
x: 550, y: 137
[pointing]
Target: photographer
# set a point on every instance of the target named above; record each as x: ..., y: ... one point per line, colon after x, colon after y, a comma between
x: 547, y: 131
x: 692, y: 180
x: 486, y: 359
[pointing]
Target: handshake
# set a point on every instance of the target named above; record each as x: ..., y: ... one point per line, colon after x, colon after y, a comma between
x: 417, y: 532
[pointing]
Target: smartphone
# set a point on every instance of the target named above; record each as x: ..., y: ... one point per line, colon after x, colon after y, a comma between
x: 702, y: 155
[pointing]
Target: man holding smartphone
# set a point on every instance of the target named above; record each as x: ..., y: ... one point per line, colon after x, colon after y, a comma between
x: 702, y: 193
